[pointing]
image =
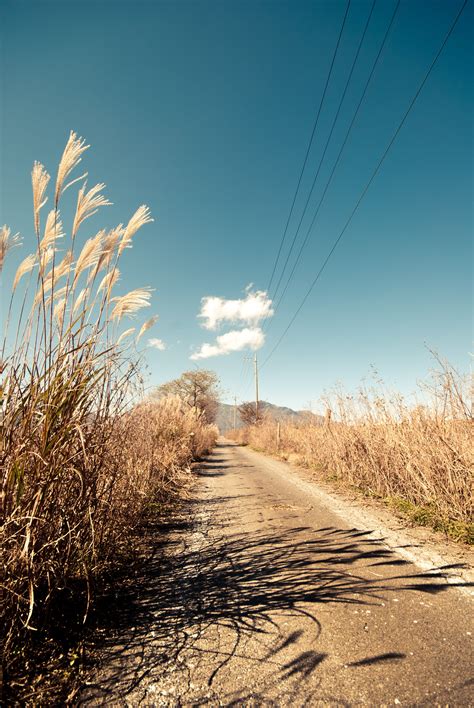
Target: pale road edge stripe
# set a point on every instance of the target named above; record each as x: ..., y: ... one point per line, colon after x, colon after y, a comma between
x: 425, y: 559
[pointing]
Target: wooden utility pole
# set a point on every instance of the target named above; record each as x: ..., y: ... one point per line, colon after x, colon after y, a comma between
x: 235, y: 412
x: 256, y: 386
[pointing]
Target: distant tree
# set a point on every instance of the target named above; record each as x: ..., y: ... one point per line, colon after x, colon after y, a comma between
x: 248, y: 413
x: 198, y: 389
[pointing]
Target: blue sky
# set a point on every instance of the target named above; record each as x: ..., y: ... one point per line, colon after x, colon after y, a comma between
x: 203, y: 111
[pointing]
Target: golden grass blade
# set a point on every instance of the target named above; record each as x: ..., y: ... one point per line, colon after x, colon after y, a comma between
x: 70, y: 159
x: 108, y: 281
x: 58, y: 312
x: 112, y: 238
x: 139, y: 219
x: 127, y: 333
x: 102, y: 261
x: 80, y: 299
x: 51, y: 278
x: 7, y: 242
x: 109, y: 245
x: 88, y: 204
x: 52, y: 231
x: 63, y: 267
x: 58, y: 294
x: 25, y: 267
x: 46, y: 257
x: 74, y: 181
x: 130, y: 303
x: 146, y: 326
x: 39, y: 181
x: 89, y: 255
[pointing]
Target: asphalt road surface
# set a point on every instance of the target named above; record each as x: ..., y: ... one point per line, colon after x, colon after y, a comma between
x: 263, y: 596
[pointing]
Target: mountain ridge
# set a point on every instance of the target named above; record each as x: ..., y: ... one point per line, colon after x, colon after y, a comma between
x: 225, y: 414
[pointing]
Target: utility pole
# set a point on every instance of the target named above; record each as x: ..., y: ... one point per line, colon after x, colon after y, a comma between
x: 256, y: 386
x: 235, y: 412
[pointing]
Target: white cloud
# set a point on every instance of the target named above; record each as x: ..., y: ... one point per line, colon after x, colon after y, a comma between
x: 250, y: 310
x: 234, y: 341
x: 157, y: 344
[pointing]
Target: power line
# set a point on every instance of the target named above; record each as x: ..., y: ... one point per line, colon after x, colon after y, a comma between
x: 247, y: 377
x: 338, y: 158
x: 243, y: 374
x: 367, y: 186
x: 309, y: 144
x: 242, y: 370
x: 354, y: 62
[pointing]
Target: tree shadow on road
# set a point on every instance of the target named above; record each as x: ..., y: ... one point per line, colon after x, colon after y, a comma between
x: 208, y: 592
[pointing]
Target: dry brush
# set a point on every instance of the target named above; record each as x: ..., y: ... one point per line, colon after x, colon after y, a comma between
x: 80, y: 462
x: 418, y: 458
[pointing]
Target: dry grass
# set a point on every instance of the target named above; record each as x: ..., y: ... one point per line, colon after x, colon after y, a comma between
x: 79, y: 461
x: 417, y: 458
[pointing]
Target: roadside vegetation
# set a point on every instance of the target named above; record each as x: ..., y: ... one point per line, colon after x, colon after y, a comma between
x: 82, y: 463
x: 197, y: 390
x: 417, y: 459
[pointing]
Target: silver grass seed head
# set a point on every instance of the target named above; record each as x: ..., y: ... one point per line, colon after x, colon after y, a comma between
x: 25, y: 267
x: 146, y: 326
x: 7, y: 242
x: 88, y: 204
x: 71, y: 157
x: 39, y: 182
x: 140, y: 218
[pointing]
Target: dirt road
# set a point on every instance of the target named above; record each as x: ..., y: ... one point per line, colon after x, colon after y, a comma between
x: 266, y: 597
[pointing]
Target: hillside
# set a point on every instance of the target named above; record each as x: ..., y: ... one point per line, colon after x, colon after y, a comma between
x: 225, y: 415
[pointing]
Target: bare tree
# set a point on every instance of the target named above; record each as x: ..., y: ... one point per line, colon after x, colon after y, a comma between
x: 248, y: 413
x: 198, y: 389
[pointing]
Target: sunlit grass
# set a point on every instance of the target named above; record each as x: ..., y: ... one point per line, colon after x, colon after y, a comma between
x: 418, y: 458
x: 79, y: 460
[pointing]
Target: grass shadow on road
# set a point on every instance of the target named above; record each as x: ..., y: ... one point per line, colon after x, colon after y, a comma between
x: 213, y: 589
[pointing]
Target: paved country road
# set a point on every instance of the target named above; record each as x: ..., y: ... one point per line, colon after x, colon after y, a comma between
x: 263, y: 596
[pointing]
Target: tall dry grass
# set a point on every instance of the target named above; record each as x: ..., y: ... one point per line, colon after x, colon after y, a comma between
x: 79, y: 461
x: 418, y: 457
